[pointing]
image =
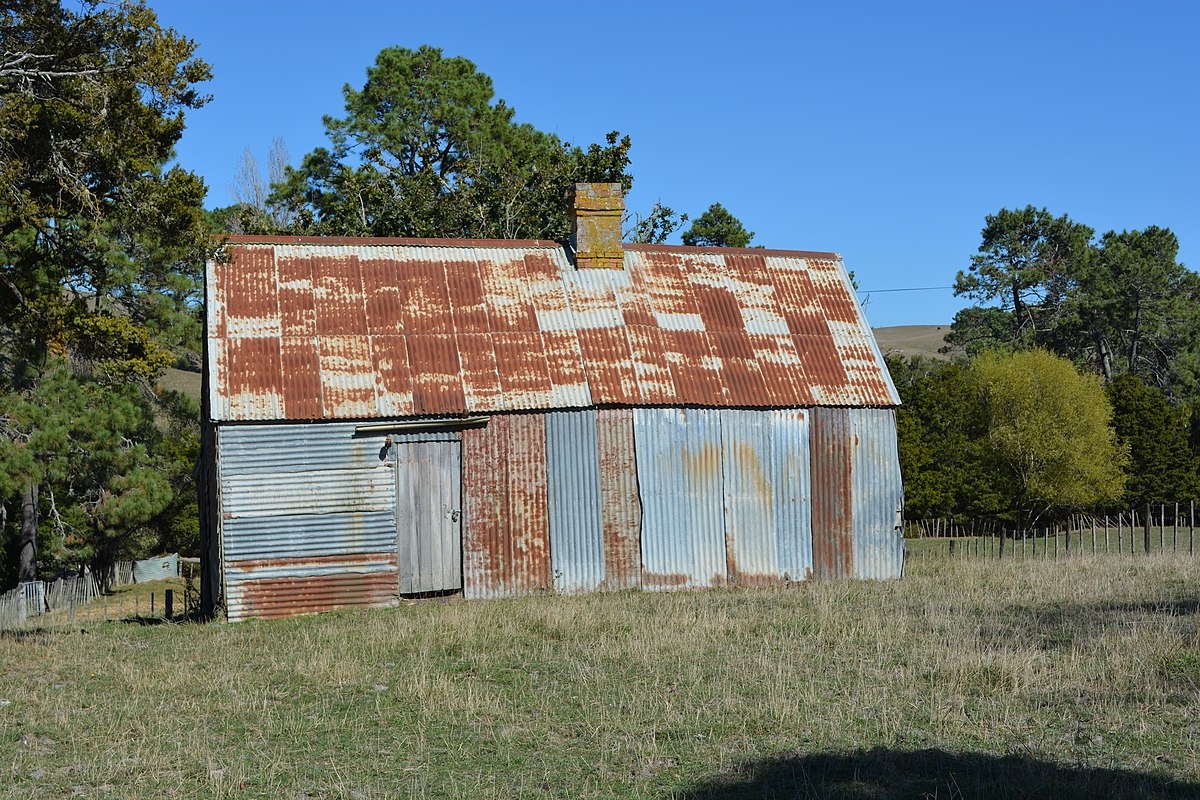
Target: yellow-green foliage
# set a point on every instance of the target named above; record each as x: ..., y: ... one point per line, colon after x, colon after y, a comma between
x: 1049, y: 430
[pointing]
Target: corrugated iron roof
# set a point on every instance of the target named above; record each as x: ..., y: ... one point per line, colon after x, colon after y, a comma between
x: 338, y: 328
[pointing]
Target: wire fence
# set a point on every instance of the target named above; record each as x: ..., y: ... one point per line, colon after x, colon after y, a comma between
x: 1153, y: 529
x: 62, y: 599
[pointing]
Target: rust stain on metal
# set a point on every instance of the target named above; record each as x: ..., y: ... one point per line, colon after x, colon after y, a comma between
x: 273, y: 598
x: 427, y: 298
x: 338, y: 292
x: 446, y: 327
x: 297, y: 304
x: 656, y: 580
x: 480, y: 374
x: 509, y: 308
x: 564, y: 361
x: 252, y: 564
x: 384, y: 297
x: 832, y: 535
x: 347, y: 376
x: 521, y: 362
x: 393, y: 378
x: 650, y: 365
x: 609, y: 365
x: 251, y: 301
x: 466, y: 296
x: 506, y: 536
x: 620, y: 504
x: 300, y: 380
x: 437, y: 382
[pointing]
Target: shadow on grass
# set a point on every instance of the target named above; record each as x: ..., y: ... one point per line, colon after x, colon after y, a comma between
x: 1063, y: 625
x: 882, y: 774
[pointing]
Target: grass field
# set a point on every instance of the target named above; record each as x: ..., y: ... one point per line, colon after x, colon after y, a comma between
x: 912, y: 340
x: 968, y: 679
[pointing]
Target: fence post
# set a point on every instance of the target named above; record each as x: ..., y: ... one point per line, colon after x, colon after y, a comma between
x: 1175, y: 531
x: 1001, y: 554
x: 1093, y: 534
x: 1070, y: 528
x: 168, y: 604
x: 1146, y: 530
x: 1162, y: 528
x: 1192, y: 528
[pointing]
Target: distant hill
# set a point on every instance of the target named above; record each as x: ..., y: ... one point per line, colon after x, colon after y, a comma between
x: 912, y: 340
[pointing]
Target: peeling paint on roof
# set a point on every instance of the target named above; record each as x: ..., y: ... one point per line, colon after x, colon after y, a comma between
x: 347, y: 329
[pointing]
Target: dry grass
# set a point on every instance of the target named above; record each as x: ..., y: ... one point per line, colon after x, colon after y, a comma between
x: 967, y: 679
x: 912, y: 340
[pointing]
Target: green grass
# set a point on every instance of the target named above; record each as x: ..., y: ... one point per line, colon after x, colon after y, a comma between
x: 968, y: 679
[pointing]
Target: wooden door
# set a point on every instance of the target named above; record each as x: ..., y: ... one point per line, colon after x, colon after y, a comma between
x: 429, y: 516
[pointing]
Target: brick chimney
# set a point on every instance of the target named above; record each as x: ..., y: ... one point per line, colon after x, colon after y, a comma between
x: 596, y: 226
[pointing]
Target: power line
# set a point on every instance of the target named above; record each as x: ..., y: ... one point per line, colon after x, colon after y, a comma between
x: 911, y: 289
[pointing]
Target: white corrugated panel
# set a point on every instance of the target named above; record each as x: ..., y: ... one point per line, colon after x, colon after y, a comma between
x: 573, y: 476
x: 878, y: 495
x: 679, y: 476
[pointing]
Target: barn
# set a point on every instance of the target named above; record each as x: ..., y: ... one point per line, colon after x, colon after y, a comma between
x: 409, y: 417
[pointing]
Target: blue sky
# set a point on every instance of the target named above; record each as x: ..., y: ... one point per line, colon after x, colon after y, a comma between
x: 883, y: 131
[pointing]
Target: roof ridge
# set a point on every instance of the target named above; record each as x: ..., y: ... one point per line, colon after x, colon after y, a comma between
x: 418, y: 241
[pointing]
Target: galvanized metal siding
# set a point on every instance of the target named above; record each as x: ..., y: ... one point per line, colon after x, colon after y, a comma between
x: 832, y: 441
x: 573, y: 484
x: 620, y: 502
x: 506, y: 542
x: 766, y: 487
x: 878, y: 495
x: 679, y: 475
x: 793, y: 488
x: 307, y: 519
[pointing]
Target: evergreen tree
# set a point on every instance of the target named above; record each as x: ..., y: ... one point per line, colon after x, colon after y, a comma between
x: 716, y: 227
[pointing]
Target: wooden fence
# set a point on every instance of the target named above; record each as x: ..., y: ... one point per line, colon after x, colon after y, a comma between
x: 1159, y: 528
x: 42, y: 601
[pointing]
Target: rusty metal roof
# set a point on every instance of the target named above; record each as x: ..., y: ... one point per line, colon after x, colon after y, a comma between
x: 308, y: 328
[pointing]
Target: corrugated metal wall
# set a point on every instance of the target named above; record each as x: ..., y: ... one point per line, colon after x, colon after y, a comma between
x: 506, y: 540
x: 307, y: 519
x: 573, y: 476
x: 768, y: 530
x: 858, y: 496
x: 573, y: 501
x: 878, y: 495
x: 832, y: 438
x: 621, y: 509
x: 679, y: 476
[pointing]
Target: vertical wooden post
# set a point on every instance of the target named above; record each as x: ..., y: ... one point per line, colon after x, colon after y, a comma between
x: 1002, y: 536
x: 1146, y: 530
x: 1106, y: 547
x: 1162, y: 528
x: 952, y: 548
x: 152, y: 604
x: 1093, y: 534
x: 1070, y: 530
x: 1175, y: 531
x: 1056, y: 542
x: 168, y: 604
x: 1192, y: 528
